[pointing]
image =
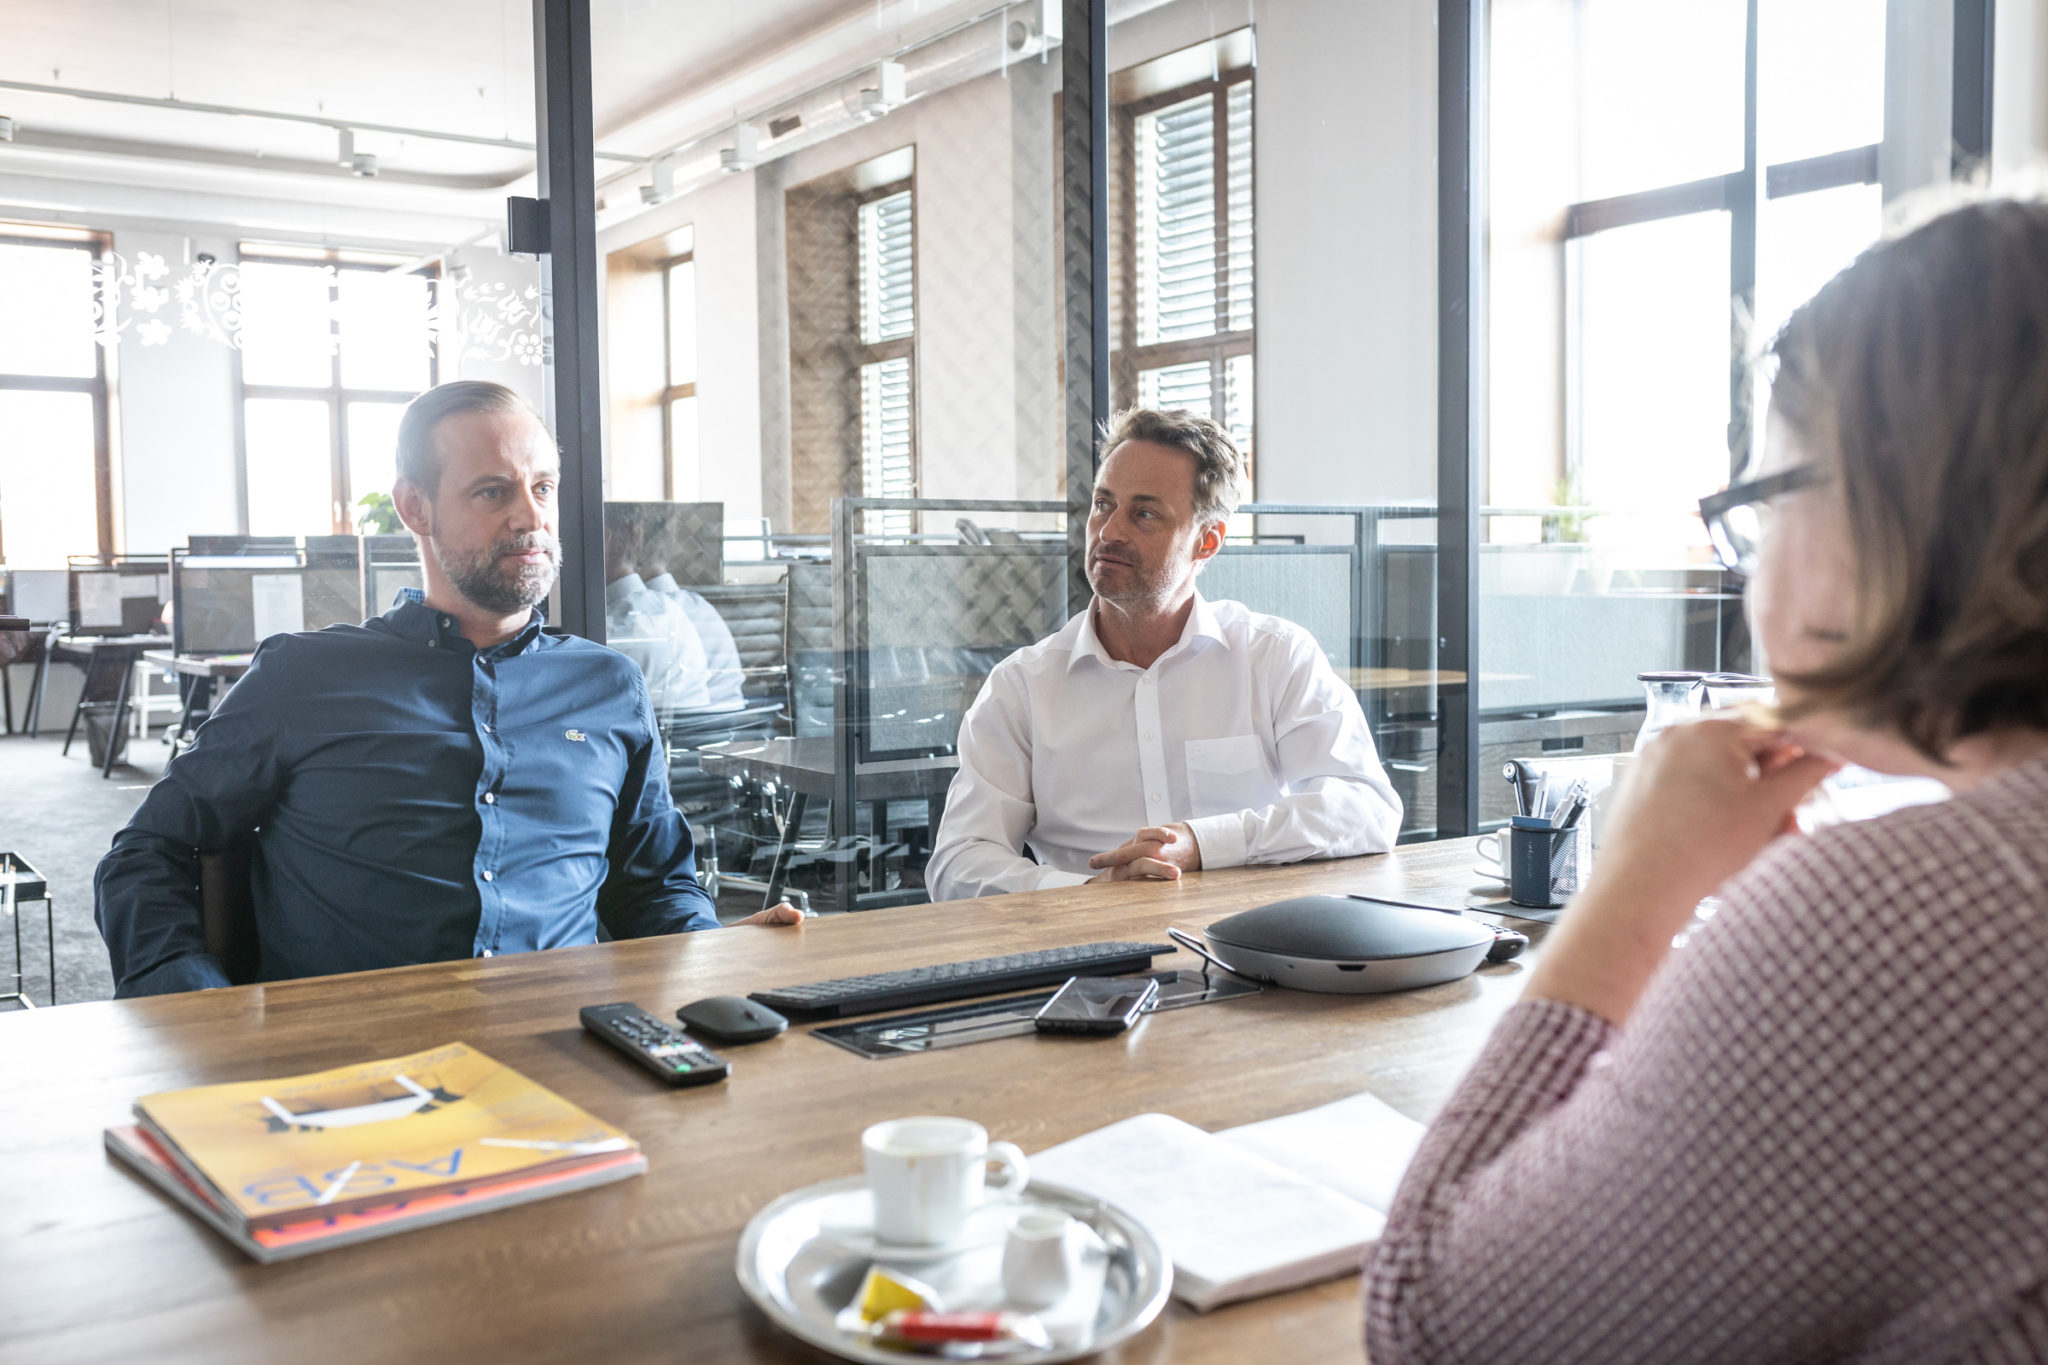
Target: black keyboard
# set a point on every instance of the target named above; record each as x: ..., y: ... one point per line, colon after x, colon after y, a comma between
x: 960, y: 980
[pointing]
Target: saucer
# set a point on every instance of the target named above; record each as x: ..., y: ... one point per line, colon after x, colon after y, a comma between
x: 1492, y: 874
x: 849, y: 1220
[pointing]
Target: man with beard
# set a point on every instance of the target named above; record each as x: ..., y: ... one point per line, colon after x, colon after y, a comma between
x: 443, y: 781
x: 1220, y: 736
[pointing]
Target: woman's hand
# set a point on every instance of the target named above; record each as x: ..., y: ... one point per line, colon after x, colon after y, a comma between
x: 1698, y: 805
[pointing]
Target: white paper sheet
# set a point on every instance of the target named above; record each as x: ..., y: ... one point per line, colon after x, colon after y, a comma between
x: 278, y: 602
x: 1358, y: 1146
x: 99, y: 600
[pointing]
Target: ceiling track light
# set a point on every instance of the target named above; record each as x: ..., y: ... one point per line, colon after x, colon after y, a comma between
x: 745, y: 152
x: 662, y: 187
x: 6, y: 130
x: 886, y: 90
x: 364, y: 165
x: 345, y: 154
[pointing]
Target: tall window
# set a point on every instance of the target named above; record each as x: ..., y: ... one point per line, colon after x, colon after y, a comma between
x: 334, y: 345
x: 679, y: 398
x: 56, y: 478
x: 1727, y: 166
x: 888, y: 325
x: 1187, y: 314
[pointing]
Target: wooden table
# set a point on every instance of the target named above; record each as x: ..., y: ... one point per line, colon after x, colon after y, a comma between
x: 95, y: 1265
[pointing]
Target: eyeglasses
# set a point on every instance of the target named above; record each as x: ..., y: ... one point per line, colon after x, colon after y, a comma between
x: 1738, y: 518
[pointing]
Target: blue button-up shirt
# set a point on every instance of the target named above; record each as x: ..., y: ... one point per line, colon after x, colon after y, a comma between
x: 413, y: 800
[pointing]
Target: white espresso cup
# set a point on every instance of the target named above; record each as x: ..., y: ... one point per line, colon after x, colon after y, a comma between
x: 928, y: 1174
x: 1490, y: 854
x: 1038, y: 1257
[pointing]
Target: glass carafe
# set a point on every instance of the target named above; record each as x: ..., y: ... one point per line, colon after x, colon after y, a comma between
x: 1737, y: 689
x: 1671, y: 698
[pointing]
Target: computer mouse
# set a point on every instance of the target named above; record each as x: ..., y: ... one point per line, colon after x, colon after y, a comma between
x: 731, y: 1019
x: 1507, y: 943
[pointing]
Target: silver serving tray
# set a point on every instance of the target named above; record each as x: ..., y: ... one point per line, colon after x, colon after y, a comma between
x: 801, y: 1276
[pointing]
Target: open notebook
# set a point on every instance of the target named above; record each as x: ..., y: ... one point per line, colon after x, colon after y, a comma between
x: 1252, y: 1210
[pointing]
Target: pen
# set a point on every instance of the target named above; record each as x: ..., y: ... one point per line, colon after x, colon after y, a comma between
x: 1575, y: 806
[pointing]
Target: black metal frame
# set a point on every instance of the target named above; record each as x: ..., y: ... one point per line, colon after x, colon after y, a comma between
x: 566, y: 135
x: 1461, y: 338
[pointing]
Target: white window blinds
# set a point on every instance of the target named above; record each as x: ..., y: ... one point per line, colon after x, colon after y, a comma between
x: 1189, y: 284
x: 886, y: 470
x: 1177, y: 222
x: 886, y: 296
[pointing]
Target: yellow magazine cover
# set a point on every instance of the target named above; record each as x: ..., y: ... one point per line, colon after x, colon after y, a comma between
x: 373, y: 1133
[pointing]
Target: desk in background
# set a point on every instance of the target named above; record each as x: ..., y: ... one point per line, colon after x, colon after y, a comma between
x: 97, y: 1265
x: 198, y: 676
x: 805, y: 767
x: 109, y: 663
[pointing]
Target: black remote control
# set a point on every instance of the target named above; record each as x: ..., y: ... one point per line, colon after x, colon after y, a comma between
x: 668, y: 1052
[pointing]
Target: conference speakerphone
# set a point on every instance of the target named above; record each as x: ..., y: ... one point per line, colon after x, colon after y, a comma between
x: 960, y: 980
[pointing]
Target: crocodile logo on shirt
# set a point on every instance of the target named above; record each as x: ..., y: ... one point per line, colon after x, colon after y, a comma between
x: 576, y: 735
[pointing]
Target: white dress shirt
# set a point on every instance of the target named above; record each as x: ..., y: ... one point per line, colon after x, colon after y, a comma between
x: 654, y: 633
x: 1242, y: 730
x: 724, y: 676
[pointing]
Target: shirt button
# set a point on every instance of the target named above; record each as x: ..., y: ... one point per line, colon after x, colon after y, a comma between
x: 488, y: 874
x: 1153, y: 797
x: 486, y: 953
x: 490, y: 798
x: 485, y: 728
x: 432, y: 643
x: 1150, y: 735
x: 448, y: 621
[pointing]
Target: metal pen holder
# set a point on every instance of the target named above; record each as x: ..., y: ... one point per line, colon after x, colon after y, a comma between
x: 1544, y: 863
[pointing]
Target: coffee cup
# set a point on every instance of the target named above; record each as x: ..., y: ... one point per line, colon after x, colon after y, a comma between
x: 1490, y: 856
x: 927, y: 1176
x: 1038, y: 1258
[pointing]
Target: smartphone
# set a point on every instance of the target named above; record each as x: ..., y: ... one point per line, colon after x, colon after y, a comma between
x: 1097, y: 1004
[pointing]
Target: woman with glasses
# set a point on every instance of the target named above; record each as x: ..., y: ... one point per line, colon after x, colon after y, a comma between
x: 1819, y: 1131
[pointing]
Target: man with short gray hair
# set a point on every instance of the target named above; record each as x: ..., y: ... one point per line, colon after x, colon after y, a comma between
x: 1158, y: 732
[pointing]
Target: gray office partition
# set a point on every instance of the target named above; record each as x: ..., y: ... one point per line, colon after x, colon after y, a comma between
x: 1318, y: 587
x: 686, y: 539
x: 918, y: 624
x: 121, y: 595
x: 933, y: 621
x: 224, y: 604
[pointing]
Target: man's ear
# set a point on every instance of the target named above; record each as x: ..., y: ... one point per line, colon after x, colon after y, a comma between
x: 415, y: 509
x: 1209, y: 542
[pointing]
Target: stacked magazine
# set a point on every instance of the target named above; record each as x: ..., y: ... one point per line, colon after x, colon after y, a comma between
x: 286, y: 1167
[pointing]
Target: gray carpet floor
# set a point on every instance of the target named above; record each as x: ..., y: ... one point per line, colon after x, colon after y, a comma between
x: 59, y: 814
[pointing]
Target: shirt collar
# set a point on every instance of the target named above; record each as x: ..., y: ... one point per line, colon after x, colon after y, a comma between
x: 412, y: 619
x: 620, y: 591
x: 1202, y: 625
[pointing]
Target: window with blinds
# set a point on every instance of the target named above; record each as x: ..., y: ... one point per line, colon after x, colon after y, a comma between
x: 1187, y: 319
x: 888, y: 323
x: 886, y: 297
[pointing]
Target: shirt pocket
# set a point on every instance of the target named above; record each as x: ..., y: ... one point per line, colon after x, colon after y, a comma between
x: 1226, y: 776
